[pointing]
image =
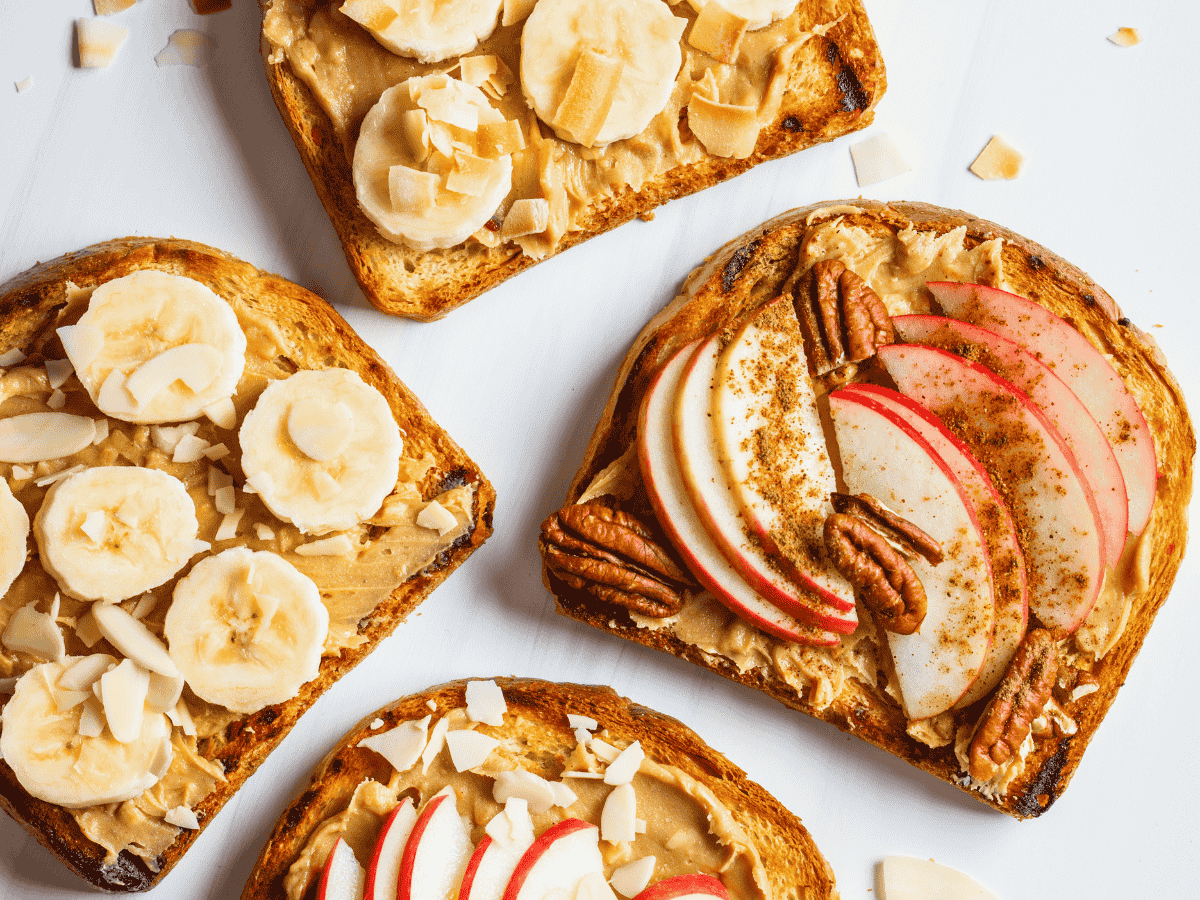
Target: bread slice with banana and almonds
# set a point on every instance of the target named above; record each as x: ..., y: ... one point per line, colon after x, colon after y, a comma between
x: 1002, y: 703
x: 174, y: 609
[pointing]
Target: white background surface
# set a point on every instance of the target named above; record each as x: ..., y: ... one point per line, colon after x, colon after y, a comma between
x: 519, y: 376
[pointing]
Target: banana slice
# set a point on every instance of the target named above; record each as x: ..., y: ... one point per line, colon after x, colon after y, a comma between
x: 246, y: 629
x: 53, y: 761
x: 14, y: 534
x: 322, y: 449
x: 421, y: 171
x: 598, y: 71
x: 431, y: 30
x: 114, y: 532
x: 757, y: 13
x: 155, y: 347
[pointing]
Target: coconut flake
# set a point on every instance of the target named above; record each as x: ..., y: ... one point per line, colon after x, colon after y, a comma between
x: 228, y: 528
x: 264, y: 532
x: 617, y: 817
x: 998, y: 161
x: 186, y: 47
x: 82, y: 674
x: 123, y: 692
x: 189, y: 449
x: 631, y: 879
x: 338, y: 545
x: 98, y: 42
x: 40, y: 436
x: 182, y: 817
x: 59, y: 475
x: 485, y: 702
x: 523, y: 784
x: 437, y: 740
x: 223, y: 413
x: 585, y: 722
x: 133, y: 639
x: 24, y: 84
x: 437, y: 518
x: 1126, y: 37
x: 58, y: 371
x: 622, y: 769
x: 469, y: 749
x: 877, y: 159
x: 401, y: 746
x: 35, y: 633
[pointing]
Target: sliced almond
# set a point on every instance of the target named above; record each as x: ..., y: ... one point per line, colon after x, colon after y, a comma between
x: 82, y: 342
x: 998, y: 161
x: 144, y: 606
x: 35, y: 633
x: 59, y: 475
x: 605, y: 751
x: 401, y: 746
x: 437, y: 740
x: 182, y: 817
x: 411, y: 190
x: 631, y: 879
x: 15, y: 356
x: 589, y: 96
x: 98, y: 42
x: 63, y: 699
x: 622, y: 769
x: 593, y: 887
x: 321, y: 429
x: 437, y: 518
x: 95, y: 526
x: 40, y: 436
x: 133, y: 639
x: 471, y: 174
x: 617, y: 817
x: 163, y: 692
x: 521, y: 783
x: 123, y: 690
x: 485, y: 702
x: 217, y: 479
x: 181, y: 718
x: 24, y: 84
x: 718, y: 32
x: 497, y: 139
x: 526, y: 216
x: 101, y: 432
x: 82, y: 674
x: 724, y: 129
x: 469, y: 749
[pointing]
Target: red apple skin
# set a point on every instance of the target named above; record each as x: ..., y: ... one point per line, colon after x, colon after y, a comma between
x: 1059, y: 345
x: 694, y: 885
x: 414, y: 841
x: 373, y: 868
x: 543, y: 843
x: 468, y: 879
x: 324, y: 889
x: 687, y: 535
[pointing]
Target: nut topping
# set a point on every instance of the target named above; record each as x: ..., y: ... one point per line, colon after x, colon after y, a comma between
x: 882, y: 578
x: 890, y: 525
x: 1020, y: 698
x: 842, y: 318
x: 609, y: 553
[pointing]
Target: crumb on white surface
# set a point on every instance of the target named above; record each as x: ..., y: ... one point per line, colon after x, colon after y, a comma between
x: 998, y: 161
x: 186, y: 47
x: 877, y: 159
x: 108, y: 7
x: 1126, y: 37
x: 98, y: 41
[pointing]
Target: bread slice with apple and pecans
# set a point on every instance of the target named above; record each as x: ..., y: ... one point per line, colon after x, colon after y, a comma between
x: 839, y: 468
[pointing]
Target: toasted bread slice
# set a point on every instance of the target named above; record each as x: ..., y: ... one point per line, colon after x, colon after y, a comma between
x: 536, y: 735
x: 751, y: 270
x: 305, y: 333
x: 830, y: 85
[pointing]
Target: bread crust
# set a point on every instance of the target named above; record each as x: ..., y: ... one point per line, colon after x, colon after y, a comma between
x: 792, y: 861
x: 29, y: 303
x: 747, y: 272
x: 834, y: 97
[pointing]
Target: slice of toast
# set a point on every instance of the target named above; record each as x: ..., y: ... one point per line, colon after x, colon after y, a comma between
x: 830, y: 85
x: 846, y: 685
x: 302, y: 332
x: 537, y: 736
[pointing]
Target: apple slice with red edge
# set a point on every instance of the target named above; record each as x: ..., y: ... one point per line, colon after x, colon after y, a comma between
x: 383, y: 874
x: 1065, y: 411
x: 669, y: 497
x: 1050, y: 502
x: 718, y: 508
x: 436, y: 852
x: 999, y: 532
x: 491, y: 866
x: 885, y: 457
x: 557, y: 861
x: 697, y: 886
x: 770, y: 442
x: 342, y: 878
x: 1083, y: 368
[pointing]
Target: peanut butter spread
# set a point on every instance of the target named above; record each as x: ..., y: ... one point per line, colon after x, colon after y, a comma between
x: 383, y: 552
x: 347, y: 71
x: 687, y: 829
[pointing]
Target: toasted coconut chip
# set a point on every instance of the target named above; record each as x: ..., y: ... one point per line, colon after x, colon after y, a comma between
x: 526, y: 216
x: 24, y: 84
x: 446, y: 104
x: 471, y: 174
x: 724, y: 129
x: 718, y: 32
x: 415, y: 125
x: 475, y: 70
x: 108, y: 7
x: 589, y: 96
x: 98, y: 41
x: 497, y: 139
x: 998, y: 160
x: 186, y: 47
x: 1126, y: 37
x: 373, y: 15
x: 412, y: 190
x: 877, y: 159
x: 516, y: 11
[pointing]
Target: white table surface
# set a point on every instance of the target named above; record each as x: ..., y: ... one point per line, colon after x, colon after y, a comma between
x: 519, y: 376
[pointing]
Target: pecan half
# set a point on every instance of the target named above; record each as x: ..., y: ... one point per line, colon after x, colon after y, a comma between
x: 611, y: 554
x: 842, y: 318
x: 890, y: 525
x: 1020, y: 698
x: 882, y: 578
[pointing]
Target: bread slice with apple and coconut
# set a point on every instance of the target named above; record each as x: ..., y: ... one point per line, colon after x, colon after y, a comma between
x: 519, y: 789
x: 191, y: 560
x: 946, y: 534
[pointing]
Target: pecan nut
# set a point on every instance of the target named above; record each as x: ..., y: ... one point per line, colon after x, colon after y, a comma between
x: 843, y: 320
x: 611, y: 554
x: 1020, y: 698
x: 882, y: 578
x: 887, y: 523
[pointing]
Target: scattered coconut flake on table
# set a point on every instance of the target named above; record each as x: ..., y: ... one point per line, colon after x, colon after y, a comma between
x: 206, y: 7
x: 98, y: 42
x: 24, y: 84
x: 998, y: 160
x: 1126, y: 37
x: 108, y: 7
x: 877, y: 159
x: 186, y: 47
x: 906, y: 878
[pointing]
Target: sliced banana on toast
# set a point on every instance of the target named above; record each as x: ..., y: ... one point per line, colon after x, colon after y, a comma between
x: 757, y: 13
x: 14, y: 534
x: 430, y: 30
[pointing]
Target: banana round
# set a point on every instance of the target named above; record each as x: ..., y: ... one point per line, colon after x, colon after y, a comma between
x: 114, y: 532
x: 14, y: 534
x: 155, y: 347
x: 246, y: 629
x: 757, y: 13
x: 643, y: 35
x: 421, y: 221
x: 429, y: 32
x: 55, y: 763
x: 320, y: 495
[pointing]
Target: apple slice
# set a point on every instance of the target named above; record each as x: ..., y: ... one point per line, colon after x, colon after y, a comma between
x: 686, y: 887
x: 885, y: 457
x: 493, y: 863
x: 999, y: 532
x: 725, y: 519
x: 342, y: 878
x: 383, y: 874
x: 436, y: 852
x: 1085, y: 370
x: 1065, y: 411
x: 771, y: 443
x: 1051, y: 503
x: 669, y: 497
x: 558, y: 860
